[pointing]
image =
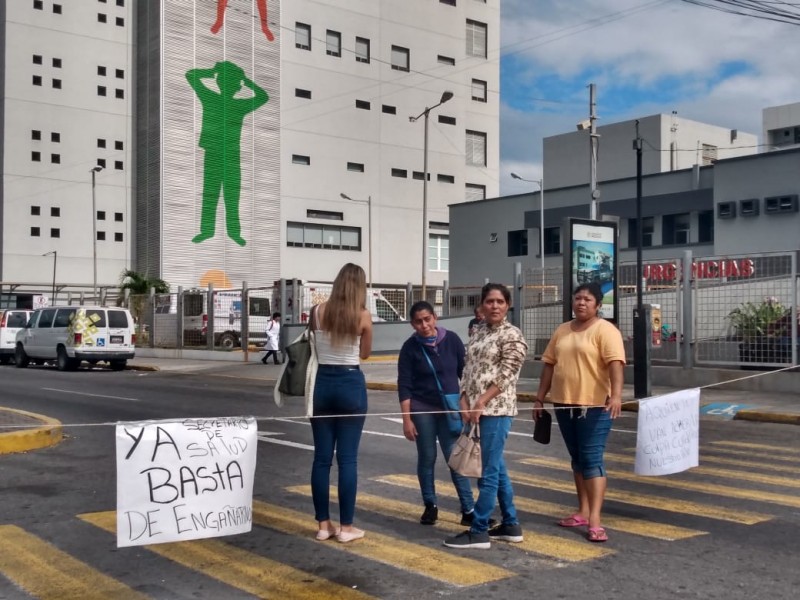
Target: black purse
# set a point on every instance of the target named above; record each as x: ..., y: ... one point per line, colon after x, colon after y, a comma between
x: 542, y: 426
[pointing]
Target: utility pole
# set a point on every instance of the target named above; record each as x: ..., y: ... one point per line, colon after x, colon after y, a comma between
x: 641, y: 314
x: 594, y: 141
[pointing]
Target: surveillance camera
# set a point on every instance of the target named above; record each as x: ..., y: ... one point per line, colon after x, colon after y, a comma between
x: 584, y: 124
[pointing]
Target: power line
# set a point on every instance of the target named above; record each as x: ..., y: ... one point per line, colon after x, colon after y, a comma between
x: 756, y: 9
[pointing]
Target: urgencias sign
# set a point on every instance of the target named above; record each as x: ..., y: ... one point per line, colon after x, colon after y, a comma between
x: 704, y: 269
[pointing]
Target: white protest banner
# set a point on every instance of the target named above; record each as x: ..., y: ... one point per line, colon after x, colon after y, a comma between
x: 668, y: 435
x: 184, y: 480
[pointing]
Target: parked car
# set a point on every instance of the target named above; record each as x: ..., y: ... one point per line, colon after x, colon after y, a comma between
x: 11, y: 321
x: 71, y: 334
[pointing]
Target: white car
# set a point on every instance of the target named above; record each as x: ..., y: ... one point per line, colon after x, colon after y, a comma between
x: 11, y: 321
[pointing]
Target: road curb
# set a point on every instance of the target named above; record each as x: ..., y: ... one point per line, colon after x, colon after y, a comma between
x: 141, y: 368
x: 767, y: 417
x: 34, y: 438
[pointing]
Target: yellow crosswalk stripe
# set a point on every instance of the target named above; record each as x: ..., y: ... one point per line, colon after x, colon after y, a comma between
x: 752, y: 446
x: 546, y: 545
x: 414, y: 558
x: 792, y: 460
x: 731, y: 473
x: 47, y: 573
x: 753, y: 464
x: 680, y: 484
x: 658, y: 502
x: 651, y: 529
x: 246, y: 571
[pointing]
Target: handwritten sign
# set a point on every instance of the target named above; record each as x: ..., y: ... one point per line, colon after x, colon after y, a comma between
x: 184, y: 480
x: 668, y: 434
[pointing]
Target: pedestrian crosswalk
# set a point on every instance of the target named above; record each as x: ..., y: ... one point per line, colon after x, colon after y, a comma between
x: 276, y: 561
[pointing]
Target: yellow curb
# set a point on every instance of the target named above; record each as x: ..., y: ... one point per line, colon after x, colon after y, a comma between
x: 381, y: 358
x: 767, y: 417
x: 22, y: 440
x: 382, y: 386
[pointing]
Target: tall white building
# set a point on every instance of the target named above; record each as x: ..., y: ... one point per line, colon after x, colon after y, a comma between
x: 229, y: 130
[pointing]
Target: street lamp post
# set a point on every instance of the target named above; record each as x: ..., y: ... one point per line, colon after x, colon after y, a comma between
x: 540, y: 183
x: 55, y: 259
x: 94, y: 172
x: 447, y: 95
x: 368, y: 202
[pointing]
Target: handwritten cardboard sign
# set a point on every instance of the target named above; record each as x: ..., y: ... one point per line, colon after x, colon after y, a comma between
x: 668, y: 434
x: 184, y: 480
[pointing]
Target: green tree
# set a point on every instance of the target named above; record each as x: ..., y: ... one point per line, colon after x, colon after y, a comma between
x: 138, y: 286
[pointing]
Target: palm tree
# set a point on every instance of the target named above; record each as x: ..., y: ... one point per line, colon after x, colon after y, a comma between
x: 139, y: 286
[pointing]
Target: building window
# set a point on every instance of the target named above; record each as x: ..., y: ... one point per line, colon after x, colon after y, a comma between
x: 57, y: 9
x: 419, y: 175
x: 55, y: 159
x: 475, y: 191
x: 101, y: 236
x: 118, y: 236
x: 302, y: 93
x: 120, y: 2
x: 120, y: 22
x: 438, y: 252
x: 37, y: 59
x: 118, y: 145
x: 302, y: 36
x: 362, y: 104
x: 55, y: 211
x: 38, y: 5
x: 35, y: 232
x: 101, y: 162
x: 552, y: 240
x: 36, y: 156
x: 389, y: 110
x: 118, y: 217
x: 101, y: 71
x: 709, y: 154
x: 781, y: 204
x: 448, y: 2
x: 333, y: 41
x: 446, y: 60
x: 476, y: 148
x: 36, y: 210
x: 647, y: 232
x: 444, y: 119
x: 119, y: 74
x: 55, y: 232
x: 55, y: 137
x: 118, y: 166
x: 299, y: 159
x: 355, y: 167
x: 325, y: 214
x: 331, y: 237
x: 56, y: 63
x: 101, y: 215
x: 101, y: 18
x: 399, y: 173
x: 401, y: 58
x: 476, y: 38
x: 445, y: 178
x: 101, y: 90
x: 119, y: 93
x: 518, y: 242
x: 705, y: 226
x: 36, y: 135
x: 37, y: 80
x: 362, y: 50
x: 675, y: 229
x: 726, y: 210
x: 749, y: 208
x: 57, y: 84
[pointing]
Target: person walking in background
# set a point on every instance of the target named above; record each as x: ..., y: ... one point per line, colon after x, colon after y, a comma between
x: 583, y: 371
x: 430, y: 364
x: 272, y: 346
x: 343, y: 335
x: 475, y: 321
x: 489, y: 398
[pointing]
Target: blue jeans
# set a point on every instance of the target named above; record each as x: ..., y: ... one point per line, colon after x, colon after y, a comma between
x: 494, y: 484
x: 338, y: 391
x: 585, y: 436
x: 431, y: 427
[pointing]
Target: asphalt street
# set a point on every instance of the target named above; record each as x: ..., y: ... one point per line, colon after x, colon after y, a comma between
x: 728, y: 529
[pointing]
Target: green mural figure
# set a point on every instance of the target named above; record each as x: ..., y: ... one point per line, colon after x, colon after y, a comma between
x: 220, y: 137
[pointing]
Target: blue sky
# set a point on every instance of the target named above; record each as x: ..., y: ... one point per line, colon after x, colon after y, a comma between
x: 645, y: 57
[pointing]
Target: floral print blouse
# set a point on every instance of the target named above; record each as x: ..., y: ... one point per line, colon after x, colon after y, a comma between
x: 494, y: 356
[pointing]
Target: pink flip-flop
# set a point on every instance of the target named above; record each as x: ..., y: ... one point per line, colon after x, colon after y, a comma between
x: 575, y: 520
x: 597, y: 534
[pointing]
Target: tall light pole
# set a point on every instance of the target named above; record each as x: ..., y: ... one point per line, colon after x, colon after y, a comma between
x: 368, y: 202
x: 447, y: 95
x: 540, y: 183
x: 94, y: 171
x: 55, y: 259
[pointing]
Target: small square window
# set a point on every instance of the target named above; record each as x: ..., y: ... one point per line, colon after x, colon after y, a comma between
x: 400, y: 58
x: 101, y: 18
x: 57, y: 63
x: 35, y: 232
x: 36, y: 135
x: 389, y: 110
x: 119, y: 73
x: 445, y: 178
x: 36, y: 156
x: 101, y: 236
x: 55, y: 137
x: 355, y: 167
x: 120, y: 2
x: 420, y: 176
x: 446, y: 60
x: 118, y: 217
x: 55, y: 211
x: 101, y: 71
x: 117, y: 236
x: 101, y: 90
x: 448, y: 2
x: 302, y: 93
x: 57, y: 84
x: 299, y: 159
x: 55, y: 159
x: 55, y: 232
x: 119, y: 93
x: 37, y: 80
x: 101, y: 162
x: 120, y: 22
x: 362, y: 104
x: 37, y: 59
x: 38, y: 5
x: 726, y: 210
x: 118, y: 145
x: 57, y: 9
x: 101, y: 215
x: 101, y: 143
x: 102, y: 1
x: 749, y: 208
x: 399, y: 173
x: 36, y: 210
x: 118, y: 165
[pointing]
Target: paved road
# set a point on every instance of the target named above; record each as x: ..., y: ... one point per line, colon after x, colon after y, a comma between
x: 726, y: 530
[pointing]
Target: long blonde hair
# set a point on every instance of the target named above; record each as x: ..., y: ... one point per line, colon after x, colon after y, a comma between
x: 342, y: 312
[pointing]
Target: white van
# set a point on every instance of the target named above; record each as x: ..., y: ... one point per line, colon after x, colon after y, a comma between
x: 71, y: 334
x: 11, y: 321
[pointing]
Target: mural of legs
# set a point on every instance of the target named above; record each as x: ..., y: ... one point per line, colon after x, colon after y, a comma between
x: 231, y: 190
x: 212, y: 186
x: 262, y: 13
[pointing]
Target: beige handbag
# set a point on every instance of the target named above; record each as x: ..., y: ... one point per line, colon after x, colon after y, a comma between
x: 465, y: 459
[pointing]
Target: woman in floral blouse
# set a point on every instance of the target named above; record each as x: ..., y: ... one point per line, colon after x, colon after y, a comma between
x: 489, y: 397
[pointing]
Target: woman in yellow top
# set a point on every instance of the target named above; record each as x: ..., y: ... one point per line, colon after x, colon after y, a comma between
x: 583, y: 373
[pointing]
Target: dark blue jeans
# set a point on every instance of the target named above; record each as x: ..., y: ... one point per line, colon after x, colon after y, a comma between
x: 338, y: 392
x: 494, y: 485
x: 431, y: 427
x: 585, y: 431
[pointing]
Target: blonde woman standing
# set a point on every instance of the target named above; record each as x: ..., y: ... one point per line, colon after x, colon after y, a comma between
x: 343, y: 334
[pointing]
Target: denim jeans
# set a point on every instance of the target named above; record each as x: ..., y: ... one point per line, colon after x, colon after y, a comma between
x: 585, y: 431
x: 338, y: 391
x: 431, y: 427
x: 494, y: 485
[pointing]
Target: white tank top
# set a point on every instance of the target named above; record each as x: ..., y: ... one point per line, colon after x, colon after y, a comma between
x: 328, y: 354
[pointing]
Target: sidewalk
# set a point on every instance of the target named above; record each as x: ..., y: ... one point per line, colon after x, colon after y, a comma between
x: 381, y: 374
